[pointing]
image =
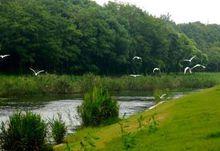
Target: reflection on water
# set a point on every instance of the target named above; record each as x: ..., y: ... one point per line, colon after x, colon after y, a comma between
x: 49, y: 107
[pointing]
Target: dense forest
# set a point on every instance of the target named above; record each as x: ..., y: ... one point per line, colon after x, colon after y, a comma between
x: 80, y: 36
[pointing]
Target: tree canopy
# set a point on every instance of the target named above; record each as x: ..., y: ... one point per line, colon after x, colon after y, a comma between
x: 80, y: 36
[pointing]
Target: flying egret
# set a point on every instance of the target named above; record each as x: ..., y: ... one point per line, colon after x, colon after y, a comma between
x: 137, y: 57
x: 187, y: 69
x: 156, y: 69
x: 3, y: 56
x: 198, y: 65
x: 135, y: 75
x: 190, y: 69
x: 36, y: 73
x: 189, y: 60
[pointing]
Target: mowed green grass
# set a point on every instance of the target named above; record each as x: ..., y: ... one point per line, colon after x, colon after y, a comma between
x: 189, y: 123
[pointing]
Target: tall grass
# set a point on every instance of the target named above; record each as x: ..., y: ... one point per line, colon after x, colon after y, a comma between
x: 98, y: 107
x: 58, y: 129
x: 66, y: 84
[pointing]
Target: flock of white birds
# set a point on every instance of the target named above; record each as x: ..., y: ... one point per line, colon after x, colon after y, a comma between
x: 186, y: 69
x: 189, y: 69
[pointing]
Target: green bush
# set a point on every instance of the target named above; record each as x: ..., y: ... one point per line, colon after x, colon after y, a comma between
x: 59, y: 130
x: 23, y: 132
x: 98, y: 107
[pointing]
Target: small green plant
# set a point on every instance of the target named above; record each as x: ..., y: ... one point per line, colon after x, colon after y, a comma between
x: 128, y: 138
x: 98, y: 107
x: 59, y: 129
x: 140, y: 121
x: 153, y: 124
x: 128, y: 141
x: 88, y: 142
x: 23, y: 132
x: 121, y: 127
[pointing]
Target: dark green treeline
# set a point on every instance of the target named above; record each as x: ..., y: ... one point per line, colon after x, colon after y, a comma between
x: 80, y: 36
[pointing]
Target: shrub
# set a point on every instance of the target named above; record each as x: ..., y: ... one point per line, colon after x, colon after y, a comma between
x: 59, y: 129
x: 23, y: 132
x: 98, y: 107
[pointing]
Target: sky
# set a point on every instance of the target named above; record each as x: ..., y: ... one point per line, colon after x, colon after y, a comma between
x: 181, y: 11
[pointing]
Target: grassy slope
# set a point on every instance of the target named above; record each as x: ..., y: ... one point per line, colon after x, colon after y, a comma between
x: 190, y: 123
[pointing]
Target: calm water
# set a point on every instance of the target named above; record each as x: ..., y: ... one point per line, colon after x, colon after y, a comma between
x: 66, y: 106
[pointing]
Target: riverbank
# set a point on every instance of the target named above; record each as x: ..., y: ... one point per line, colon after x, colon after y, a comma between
x: 16, y: 86
x: 191, y: 122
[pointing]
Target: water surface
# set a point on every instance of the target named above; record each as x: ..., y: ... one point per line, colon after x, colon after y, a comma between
x: 50, y: 106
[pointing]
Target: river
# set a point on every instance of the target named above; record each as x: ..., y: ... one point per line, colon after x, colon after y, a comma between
x: 66, y: 106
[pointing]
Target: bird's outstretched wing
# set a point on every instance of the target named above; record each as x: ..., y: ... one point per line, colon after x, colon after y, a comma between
x: 135, y: 75
x: 198, y: 65
x: 7, y: 55
x: 186, y: 69
x: 33, y: 70
x: 3, y: 56
x: 189, y: 60
x: 132, y: 75
x: 192, y: 58
x: 40, y: 72
x: 186, y: 60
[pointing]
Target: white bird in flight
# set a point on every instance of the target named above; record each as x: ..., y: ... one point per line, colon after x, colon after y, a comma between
x: 189, y: 60
x: 135, y: 75
x: 137, y: 57
x: 156, y: 69
x: 190, y: 69
x: 3, y: 56
x: 162, y: 96
x: 36, y: 73
x: 187, y: 69
x: 198, y: 65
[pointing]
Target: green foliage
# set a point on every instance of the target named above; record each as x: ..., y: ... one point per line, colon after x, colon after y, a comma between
x: 140, y: 121
x: 153, y: 124
x: 16, y: 86
x: 128, y: 141
x: 207, y: 38
x: 24, y: 131
x: 98, y: 107
x: 189, y: 123
x: 59, y: 129
x: 68, y: 147
x: 80, y: 36
x: 88, y: 142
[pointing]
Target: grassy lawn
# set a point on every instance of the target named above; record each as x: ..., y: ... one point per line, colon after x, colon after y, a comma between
x: 189, y: 123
